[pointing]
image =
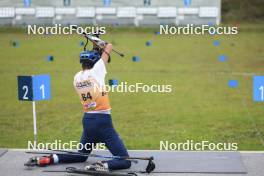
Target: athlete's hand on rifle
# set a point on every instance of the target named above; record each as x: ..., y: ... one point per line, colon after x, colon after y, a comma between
x: 102, y: 43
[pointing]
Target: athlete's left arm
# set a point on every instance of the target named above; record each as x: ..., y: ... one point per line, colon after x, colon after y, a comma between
x: 107, y: 51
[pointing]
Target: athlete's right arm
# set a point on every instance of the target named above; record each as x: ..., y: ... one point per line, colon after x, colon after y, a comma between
x: 108, y: 50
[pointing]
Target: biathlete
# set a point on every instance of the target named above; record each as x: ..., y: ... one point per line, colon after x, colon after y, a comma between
x: 97, y: 122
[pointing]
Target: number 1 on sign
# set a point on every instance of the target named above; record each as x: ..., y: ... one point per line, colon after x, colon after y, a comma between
x: 262, y: 92
x: 42, y: 88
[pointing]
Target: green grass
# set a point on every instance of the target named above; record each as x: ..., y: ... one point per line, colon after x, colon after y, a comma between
x: 200, y: 107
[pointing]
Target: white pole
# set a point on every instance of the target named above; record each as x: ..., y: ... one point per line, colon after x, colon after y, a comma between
x: 34, y: 123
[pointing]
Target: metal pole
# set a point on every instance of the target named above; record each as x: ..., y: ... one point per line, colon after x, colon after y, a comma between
x: 34, y: 123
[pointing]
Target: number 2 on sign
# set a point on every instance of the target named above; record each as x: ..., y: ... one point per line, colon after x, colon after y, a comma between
x: 262, y: 92
x: 42, y: 88
x: 25, y: 97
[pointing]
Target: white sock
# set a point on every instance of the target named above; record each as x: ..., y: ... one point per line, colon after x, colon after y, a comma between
x: 55, y: 159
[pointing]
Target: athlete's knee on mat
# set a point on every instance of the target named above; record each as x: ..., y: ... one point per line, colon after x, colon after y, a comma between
x: 117, y: 164
x: 83, y: 158
x: 127, y: 164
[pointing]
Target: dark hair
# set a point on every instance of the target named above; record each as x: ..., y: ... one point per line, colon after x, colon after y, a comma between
x: 86, y: 65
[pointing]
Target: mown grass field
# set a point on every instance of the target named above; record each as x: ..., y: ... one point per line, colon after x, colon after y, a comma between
x: 200, y: 107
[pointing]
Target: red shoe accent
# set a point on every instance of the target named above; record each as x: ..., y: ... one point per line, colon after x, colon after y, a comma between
x: 44, y: 161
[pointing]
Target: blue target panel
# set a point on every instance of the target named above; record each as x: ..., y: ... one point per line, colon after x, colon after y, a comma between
x: 216, y: 43
x: 50, y: 58
x: 27, y: 3
x: 113, y: 82
x: 107, y: 2
x: 81, y: 43
x: 34, y: 88
x: 148, y: 43
x: 211, y: 24
x: 233, y: 83
x: 187, y: 2
x: 15, y: 44
x: 135, y: 59
x: 258, y: 88
x: 222, y: 58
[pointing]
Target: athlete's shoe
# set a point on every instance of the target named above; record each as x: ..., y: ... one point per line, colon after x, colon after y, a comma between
x: 40, y: 161
x: 45, y: 160
x: 98, y: 166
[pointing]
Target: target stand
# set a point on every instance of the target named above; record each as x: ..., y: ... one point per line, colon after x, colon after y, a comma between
x: 34, y: 88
